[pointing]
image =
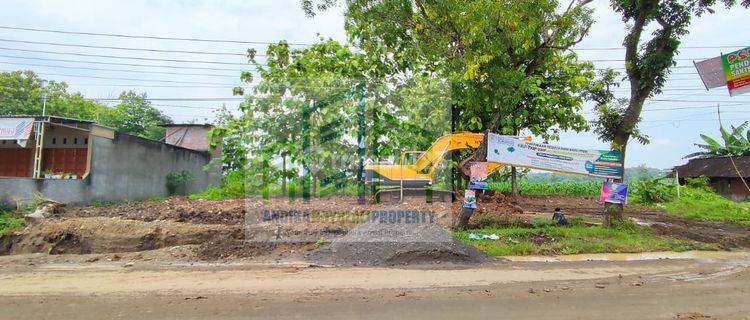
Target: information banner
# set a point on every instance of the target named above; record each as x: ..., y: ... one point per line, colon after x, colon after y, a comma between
x: 613, y: 192
x: 16, y: 128
x: 470, y: 199
x: 517, y: 152
x: 478, y: 178
x: 737, y: 71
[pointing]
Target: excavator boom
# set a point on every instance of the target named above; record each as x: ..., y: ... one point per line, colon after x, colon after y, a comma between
x: 419, y: 175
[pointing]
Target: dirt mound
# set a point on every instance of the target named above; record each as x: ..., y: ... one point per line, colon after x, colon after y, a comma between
x: 374, y: 243
x: 176, y: 209
x: 223, y: 248
x: 106, y: 235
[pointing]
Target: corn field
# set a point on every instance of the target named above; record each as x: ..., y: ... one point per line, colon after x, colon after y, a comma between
x: 566, y: 188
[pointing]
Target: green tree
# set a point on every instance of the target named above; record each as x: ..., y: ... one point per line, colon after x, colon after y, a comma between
x: 736, y: 143
x: 647, y: 62
x: 23, y: 92
x: 506, y: 61
x: 135, y: 115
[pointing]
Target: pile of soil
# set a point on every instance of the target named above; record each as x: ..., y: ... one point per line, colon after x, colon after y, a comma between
x: 109, y: 235
x: 238, y: 211
x: 178, y: 209
x: 225, y: 248
x: 388, y: 244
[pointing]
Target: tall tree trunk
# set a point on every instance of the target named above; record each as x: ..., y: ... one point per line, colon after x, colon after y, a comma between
x: 513, y: 182
x: 613, y: 212
x: 283, y: 176
x: 314, y: 186
x: 462, y: 220
x: 514, y: 173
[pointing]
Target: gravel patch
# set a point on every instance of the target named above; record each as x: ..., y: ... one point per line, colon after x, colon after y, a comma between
x: 391, y: 244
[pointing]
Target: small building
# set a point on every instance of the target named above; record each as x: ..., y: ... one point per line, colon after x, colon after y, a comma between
x: 79, y: 162
x: 721, y: 173
x: 189, y: 136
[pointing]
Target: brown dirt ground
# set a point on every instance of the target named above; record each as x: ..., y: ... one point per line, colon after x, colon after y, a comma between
x: 215, y: 230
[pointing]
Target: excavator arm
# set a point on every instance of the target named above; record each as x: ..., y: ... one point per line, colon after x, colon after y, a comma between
x: 422, y: 172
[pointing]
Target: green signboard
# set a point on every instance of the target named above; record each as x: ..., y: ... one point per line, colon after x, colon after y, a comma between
x: 737, y: 71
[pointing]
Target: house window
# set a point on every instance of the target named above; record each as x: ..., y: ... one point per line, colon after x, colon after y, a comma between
x: 85, y: 140
x: 65, y: 140
x: 54, y: 140
x: 75, y: 140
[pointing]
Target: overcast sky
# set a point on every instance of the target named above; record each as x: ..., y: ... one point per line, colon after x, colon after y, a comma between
x: 672, y: 131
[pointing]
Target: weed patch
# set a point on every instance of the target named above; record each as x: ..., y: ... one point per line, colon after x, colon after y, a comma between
x: 541, y: 238
x: 9, y: 221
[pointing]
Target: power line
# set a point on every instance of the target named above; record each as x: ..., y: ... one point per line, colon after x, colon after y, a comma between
x: 224, y: 53
x: 682, y: 47
x: 186, y: 107
x: 128, y: 48
x: 122, y: 64
x: 623, y: 60
x: 123, y: 57
x: 115, y: 35
x: 147, y: 85
x: 121, y: 70
x: 127, y: 79
x: 178, y: 99
x: 697, y: 101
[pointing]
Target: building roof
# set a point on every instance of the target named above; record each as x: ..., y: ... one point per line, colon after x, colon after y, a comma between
x: 715, y: 167
x: 47, y: 118
x: 74, y: 123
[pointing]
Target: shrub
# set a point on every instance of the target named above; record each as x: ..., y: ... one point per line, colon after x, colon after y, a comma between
x: 698, y: 183
x: 179, y: 181
x: 291, y: 190
x: 9, y: 221
x: 232, y: 186
x: 652, y: 191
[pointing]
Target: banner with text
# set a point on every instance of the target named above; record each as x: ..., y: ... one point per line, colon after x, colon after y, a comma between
x: 737, y: 71
x: 516, y: 152
x: 613, y: 192
x: 15, y: 128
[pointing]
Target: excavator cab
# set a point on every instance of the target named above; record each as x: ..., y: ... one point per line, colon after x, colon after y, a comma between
x: 410, y: 157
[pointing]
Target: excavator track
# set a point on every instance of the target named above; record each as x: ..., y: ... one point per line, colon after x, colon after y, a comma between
x: 394, y: 195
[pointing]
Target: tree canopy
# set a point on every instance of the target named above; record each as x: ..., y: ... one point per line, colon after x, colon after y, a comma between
x: 506, y: 61
x: 23, y: 92
x: 648, y: 61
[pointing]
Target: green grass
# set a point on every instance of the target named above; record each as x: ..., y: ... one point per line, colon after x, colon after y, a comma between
x: 237, y: 185
x: 543, y: 238
x: 565, y: 188
x: 9, y: 221
x: 706, y: 205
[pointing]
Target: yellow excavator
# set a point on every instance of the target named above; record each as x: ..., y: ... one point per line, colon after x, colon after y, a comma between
x: 414, y: 175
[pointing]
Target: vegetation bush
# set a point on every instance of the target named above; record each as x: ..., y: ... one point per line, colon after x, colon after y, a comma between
x: 179, y: 181
x: 239, y: 184
x: 656, y: 190
x: 232, y: 186
x: 9, y: 221
x: 702, y: 203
